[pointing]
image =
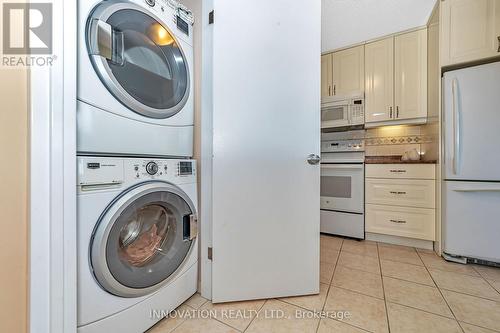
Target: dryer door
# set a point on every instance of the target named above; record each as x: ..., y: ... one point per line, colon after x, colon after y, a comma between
x: 142, y: 238
x: 138, y: 59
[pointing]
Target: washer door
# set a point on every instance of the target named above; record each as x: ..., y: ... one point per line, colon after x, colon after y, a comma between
x: 138, y: 59
x: 142, y: 238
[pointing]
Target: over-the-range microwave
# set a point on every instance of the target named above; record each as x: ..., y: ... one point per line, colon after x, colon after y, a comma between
x: 342, y: 111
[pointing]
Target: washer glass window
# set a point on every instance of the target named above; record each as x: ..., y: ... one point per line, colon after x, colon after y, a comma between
x: 140, y: 62
x: 146, y: 243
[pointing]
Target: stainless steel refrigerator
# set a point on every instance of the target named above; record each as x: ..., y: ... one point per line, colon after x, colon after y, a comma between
x: 471, y: 191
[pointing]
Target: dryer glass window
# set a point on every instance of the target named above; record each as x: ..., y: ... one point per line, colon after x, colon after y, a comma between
x: 146, y: 68
x: 147, y: 241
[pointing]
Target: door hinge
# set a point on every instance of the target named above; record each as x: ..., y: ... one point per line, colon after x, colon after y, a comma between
x: 210, y: 253
x: 211, y: 17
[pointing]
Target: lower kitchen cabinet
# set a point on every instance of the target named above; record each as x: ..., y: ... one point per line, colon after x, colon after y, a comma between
x: 400, y: 200
x: 408, y: 222
x: 401, y: 192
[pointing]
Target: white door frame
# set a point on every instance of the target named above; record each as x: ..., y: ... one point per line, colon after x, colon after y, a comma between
x: 206, y: 150
x: 52, y: 234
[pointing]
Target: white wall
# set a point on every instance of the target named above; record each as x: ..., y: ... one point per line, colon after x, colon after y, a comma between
x: 348, y: 22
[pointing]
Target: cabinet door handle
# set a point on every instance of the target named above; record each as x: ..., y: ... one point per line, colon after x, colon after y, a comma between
x: 329, y: 90
x: 398, y: 221
x: 390, y: 110
x: 498, y: 44
x: 397, y: 111
x: 398, y: 192
x: 397, y: 171
x: 334, y: 89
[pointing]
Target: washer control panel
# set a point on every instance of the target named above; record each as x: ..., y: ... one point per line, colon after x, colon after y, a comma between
x: 151, y: 168
x: 115, y: 171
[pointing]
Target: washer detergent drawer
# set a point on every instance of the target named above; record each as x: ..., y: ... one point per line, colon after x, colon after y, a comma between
x: 401, y: 221
x: 401, y: 192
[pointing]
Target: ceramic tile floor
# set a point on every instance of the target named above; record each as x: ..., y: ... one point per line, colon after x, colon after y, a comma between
x: 385, y: 288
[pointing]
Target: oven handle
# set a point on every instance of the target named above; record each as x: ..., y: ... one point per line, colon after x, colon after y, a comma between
x: 343, y: 166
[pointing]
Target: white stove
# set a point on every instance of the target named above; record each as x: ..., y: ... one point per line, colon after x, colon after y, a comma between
x: 342, y: 188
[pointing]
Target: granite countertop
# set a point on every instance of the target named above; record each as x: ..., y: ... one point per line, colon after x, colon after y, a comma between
x: 394, y: 160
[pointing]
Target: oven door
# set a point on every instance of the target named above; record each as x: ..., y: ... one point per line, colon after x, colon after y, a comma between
x: 334, y: 115
x: 342, y: 187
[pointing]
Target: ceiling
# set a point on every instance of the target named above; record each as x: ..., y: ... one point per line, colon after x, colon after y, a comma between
x: 348, y: 22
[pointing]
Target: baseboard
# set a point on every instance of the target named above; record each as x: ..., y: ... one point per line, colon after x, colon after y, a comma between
x: 396, y: 240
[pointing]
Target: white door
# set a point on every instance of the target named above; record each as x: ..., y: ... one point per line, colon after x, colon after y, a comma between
x: 471, y: 118
x: 470, y: 30
x: 379, y: 66
x: 410, y: 75
x: 349, y: 71
x: 266, y: 121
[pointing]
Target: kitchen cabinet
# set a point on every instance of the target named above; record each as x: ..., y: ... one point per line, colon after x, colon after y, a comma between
x: 396, y: 80
x: 410, y: 75
x: 343, y: 72
x: 407, y: 222
x: 401, y: 200
x: 379, y: 89
x: 470, y: 30
x: 349, y: 71
x: 326, y: 75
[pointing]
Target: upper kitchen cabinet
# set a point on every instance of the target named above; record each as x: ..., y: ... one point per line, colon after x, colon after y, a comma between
x: 410, y: 76
x: 470, y: 30
x: 379, y: 89
x: 396, y: 80
x: 343, y: 72
x: 349, y: 71
x: 326, y: 75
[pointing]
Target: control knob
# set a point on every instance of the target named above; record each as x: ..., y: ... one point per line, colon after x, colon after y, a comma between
x: 152, y: 168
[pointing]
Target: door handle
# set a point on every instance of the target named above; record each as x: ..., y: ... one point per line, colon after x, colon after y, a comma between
x: 190, y: 227
x: 313, y: 159
x: 456, y: 125
x: 390, y: 110
x: 397, y: 111
x: 342, y: 166
x: 498, y: 44
x: 105, y: 41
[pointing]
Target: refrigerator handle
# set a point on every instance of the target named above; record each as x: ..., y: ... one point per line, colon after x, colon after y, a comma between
x: 492, y: 189
x: 456, y: 125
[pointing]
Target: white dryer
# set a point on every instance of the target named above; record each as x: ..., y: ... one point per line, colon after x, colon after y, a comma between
x: 137, y: 241
x: 135, y: 78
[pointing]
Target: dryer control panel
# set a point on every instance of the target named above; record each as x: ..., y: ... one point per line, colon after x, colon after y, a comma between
x: 95, y: 171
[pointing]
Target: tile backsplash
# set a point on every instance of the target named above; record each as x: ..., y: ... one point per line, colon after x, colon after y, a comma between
x: 395, y: 140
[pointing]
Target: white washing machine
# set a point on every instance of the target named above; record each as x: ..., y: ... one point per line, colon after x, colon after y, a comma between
x: 137, y: 241
x: 135, y: 78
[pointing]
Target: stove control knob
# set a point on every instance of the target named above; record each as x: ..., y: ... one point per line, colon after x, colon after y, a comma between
x: 152, y: 168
